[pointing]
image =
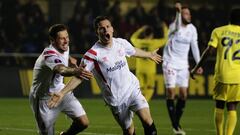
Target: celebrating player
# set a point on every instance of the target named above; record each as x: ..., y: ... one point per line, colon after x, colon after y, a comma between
x: 120, y: 88
x: 144, y: 38
x: 182, y: 36
x: 48, y: 72
x: 225, y: 40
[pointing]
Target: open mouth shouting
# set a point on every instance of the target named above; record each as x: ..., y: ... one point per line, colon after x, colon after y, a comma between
x: 107, y: 37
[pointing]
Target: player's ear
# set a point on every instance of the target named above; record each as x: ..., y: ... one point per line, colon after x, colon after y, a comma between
x: 113, y: 31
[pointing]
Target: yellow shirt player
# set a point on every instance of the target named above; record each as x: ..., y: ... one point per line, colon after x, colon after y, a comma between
x: 226, y: 41
x: 146, y: 69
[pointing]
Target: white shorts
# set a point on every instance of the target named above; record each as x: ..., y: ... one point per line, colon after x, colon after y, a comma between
x: 124, y: 113
x: 46, y: 117
x: 175, y: 77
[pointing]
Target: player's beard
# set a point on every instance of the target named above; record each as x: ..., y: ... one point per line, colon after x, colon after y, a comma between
x: 185, y: 21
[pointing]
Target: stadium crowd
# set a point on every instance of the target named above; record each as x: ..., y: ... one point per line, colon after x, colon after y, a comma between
x: 23, y: 27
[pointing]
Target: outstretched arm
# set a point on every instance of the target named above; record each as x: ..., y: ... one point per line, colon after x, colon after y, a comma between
x: 151, y: 55
x: 69, y: 71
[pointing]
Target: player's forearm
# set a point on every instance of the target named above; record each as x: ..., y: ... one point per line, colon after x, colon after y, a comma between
x: 142, y: 53
x: 135, y: 36
x: 71, y: 85
x: 203, y: 58
x: 72, y: 62
x: 176, y: 24
x: 65, y: 71
x: 178, y: 21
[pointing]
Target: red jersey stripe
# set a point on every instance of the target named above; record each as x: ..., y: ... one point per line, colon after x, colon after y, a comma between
x: 92, y: 52
x: 45, y: 57
x: 97, y: 67
x: 87, y: 58
x: 50, y: 52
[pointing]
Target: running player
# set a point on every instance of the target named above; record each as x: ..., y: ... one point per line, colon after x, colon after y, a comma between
x: 48, y: 72
x: 225, y: 40
x: 120, y: 88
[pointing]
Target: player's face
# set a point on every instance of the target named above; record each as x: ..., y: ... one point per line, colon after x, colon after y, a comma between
x: 186, y: 16
x: 105, y: 32
x: 62, y: 41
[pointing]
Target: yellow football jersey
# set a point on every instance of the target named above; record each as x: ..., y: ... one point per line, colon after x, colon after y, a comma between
x: 146, y: 65
x: 227, y: 41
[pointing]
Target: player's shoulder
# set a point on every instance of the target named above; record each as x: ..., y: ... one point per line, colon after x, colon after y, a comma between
x: 93, y: 51
x: 192, y: 26
x: 224, y: 27
x: 221, y: 28
x: 50, y: 51
x: 119, y: 40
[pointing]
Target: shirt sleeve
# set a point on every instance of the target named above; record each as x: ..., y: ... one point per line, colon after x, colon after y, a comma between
x: 213, y: 40
x: 53, y: 60
x: 88, y: 61
x: 194, y: 46
x: 175, y: 26
x: 129, y: 49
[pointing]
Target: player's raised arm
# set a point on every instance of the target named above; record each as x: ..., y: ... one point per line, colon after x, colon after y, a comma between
x: 178, y: 19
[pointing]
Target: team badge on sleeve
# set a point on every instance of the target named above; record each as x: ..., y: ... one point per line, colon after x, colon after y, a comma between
x: 57, y: 61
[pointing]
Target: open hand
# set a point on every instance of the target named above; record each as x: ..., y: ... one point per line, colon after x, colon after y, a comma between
x: 83, y: 73
x: 196, y: 71
x: 178, y: 7
x: 156, y: 57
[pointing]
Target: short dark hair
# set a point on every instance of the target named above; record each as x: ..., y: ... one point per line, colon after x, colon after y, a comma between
x: 97, y: 20
x: 235, y: 16
x: 147, y: 32
x: 54, y: 29
x: 185, y: 7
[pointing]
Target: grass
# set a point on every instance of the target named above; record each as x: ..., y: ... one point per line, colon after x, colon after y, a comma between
x: 16, y: 118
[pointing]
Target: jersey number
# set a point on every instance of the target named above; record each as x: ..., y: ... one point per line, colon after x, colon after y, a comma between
x: 228, y: 42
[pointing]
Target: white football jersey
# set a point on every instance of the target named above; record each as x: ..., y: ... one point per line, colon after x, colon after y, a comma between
x: 45, y: 80
x: 110, y: 68
x: 176, y: 51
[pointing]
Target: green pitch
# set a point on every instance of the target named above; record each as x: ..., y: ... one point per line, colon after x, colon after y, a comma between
x: 16, y: 118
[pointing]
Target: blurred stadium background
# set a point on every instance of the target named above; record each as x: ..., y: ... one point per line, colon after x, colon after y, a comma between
x: 23, y: 35
x: 24, y: 25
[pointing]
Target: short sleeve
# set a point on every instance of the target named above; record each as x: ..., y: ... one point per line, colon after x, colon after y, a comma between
x: 129, y: 49
x: 88, y: 60
x: 194, y: 35
x: 52, y: 61
x: 214, y: 39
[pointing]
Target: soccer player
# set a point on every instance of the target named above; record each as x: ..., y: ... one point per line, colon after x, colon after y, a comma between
x: 144, y: 38
x: 48, y: 72
x: 225, y: 40
x: 120, y: 87
x: 182, y: 36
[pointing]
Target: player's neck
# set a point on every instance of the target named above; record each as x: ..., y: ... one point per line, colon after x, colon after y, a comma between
x: 58, y: 49
x: 105, y: 44
x: 185, y: 23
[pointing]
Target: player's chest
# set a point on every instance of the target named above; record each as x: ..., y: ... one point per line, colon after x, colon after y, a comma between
x: 184, y: 35
x: 110, y: 58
